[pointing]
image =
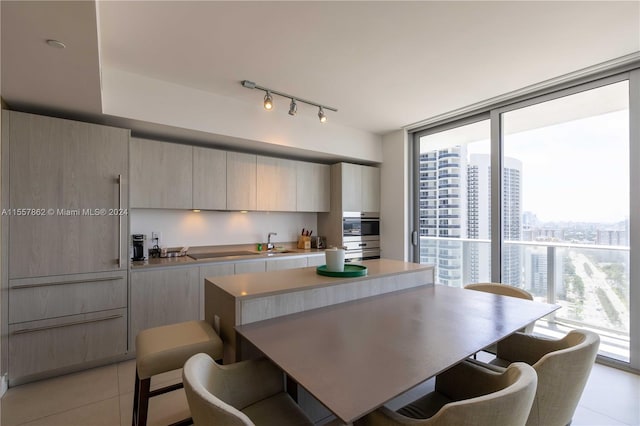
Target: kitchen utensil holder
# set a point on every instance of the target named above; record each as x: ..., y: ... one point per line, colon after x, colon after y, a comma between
x: 304, y: 242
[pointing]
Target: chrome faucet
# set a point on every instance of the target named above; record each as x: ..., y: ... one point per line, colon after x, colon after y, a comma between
x: 270, y: 245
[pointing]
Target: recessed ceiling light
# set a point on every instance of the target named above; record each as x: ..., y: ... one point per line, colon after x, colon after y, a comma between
x: 56, y: 43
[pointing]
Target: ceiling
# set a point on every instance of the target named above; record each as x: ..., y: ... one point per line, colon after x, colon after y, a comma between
x: 384, y: 65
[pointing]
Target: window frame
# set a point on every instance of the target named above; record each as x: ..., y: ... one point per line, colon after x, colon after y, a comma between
x: 493, y: 112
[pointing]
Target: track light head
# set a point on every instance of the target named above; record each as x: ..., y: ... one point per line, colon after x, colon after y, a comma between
x: 322, y: 116
x: 268, y: 101
x: 293, y: 107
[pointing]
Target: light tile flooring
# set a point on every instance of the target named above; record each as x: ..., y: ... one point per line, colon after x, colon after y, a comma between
x: 104, y: 396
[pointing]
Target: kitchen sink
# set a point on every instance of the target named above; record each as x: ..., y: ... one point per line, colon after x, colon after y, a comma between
x: 198, y: 256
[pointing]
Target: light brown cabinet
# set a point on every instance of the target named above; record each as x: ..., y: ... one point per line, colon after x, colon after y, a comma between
x: 241, y: 181
x: 40, y: 298
x: 251, y: 267
x: 73, y: 177
x: 360, y: 187
x: 38, y: 348
x: 161, y: 297
x: 209, y: 179
x: 66, y: 259
x: 161, y: 175
x: 276, y: 184
x: 313, y: 187
x: 286, y: 263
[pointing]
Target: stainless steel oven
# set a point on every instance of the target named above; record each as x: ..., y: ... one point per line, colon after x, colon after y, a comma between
x: 361, y: 224
x: 361, y: 235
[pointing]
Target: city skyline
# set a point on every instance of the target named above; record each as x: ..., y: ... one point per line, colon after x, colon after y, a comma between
x: 601, y: 143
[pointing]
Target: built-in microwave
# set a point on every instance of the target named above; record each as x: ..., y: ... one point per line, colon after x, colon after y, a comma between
x: 365, y: 225
x: 361, y: 236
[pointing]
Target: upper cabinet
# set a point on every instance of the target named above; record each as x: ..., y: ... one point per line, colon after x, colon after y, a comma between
x: 276, y: 183
x: 161, y: 175
x: 209, y: 179
x: 313, y: 187
x: 370, y: 189
x: 172, y: 176
x: 241, y: 181
x: 360, y: 187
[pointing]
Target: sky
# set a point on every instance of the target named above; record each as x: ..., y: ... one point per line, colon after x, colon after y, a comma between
x: 575, y: 155
x: 575, y: 171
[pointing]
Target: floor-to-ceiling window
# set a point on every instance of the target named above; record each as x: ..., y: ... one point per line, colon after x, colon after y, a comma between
x: 561, y: 227
x: 566, y: 234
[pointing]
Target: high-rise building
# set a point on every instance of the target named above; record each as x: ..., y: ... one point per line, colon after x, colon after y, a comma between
x: 443, y: 210
x: 455, y: 203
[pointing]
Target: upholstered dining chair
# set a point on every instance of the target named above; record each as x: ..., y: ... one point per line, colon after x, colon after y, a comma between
x: 246, y: 393
x: 503, y: 290
x: 563, y: 367
x: 467, y: 394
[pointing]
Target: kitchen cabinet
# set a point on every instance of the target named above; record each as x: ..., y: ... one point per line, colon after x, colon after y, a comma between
x: 213, y: 270
x: 209, y: 179
x: 286, y: 263
x: 74, y: 178
x: 64, y: 322
x: 360, y: 187
x: 161, y: 175
x: 276, y: 184
x: 370, y: 189
x: 40, y: 298
x: 163, y: 296
x: 64, y: 244
x: 313, y: 187
x: 316, y: 260
x: 251, y: 266
x: 241, y: 181
x: 39, y: 347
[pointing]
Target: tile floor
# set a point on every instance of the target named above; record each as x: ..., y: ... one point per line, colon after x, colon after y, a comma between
x: 104, y: 396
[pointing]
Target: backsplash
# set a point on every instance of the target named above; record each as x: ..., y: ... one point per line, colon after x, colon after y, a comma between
x: 188, y: 228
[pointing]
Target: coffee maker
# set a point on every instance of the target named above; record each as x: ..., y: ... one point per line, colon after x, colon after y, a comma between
x: 137, y: 244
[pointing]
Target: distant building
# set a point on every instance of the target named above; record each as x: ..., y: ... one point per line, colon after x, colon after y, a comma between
x: 455, y: 203
x: 612, y: 237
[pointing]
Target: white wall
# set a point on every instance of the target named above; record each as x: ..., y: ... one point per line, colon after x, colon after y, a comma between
x: 188, y: 228
x: 138, y: 97
x: 394, y: 196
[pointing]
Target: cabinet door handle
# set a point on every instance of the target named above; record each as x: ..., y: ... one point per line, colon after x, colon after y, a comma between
x: 362, y: 244
x: 68, y: 324
x: 66, y: 282
x: 119, y: 221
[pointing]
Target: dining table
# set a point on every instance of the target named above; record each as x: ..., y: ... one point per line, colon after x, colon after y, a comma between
x: 354, y: 357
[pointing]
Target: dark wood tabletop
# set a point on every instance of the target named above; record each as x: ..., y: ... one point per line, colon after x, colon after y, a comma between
x: 356, y: 356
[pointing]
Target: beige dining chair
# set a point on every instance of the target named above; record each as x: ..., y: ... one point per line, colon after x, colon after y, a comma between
x: 467, y: 394
x: 503, y: 290
x: 563, y: 367
x: 246, y: 393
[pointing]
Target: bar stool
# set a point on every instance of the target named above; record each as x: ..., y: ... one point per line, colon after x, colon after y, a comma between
x: 167, y: 348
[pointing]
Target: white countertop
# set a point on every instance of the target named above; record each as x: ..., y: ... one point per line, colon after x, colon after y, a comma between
x: 260, y: 284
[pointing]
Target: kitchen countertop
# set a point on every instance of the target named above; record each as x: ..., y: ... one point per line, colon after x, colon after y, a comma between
x: 291, y: 249
x: 245, y: 286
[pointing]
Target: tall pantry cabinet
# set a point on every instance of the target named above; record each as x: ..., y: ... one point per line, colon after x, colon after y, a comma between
x: 64, y: 244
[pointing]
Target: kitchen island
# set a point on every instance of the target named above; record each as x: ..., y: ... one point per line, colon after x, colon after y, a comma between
x: 245, y: 298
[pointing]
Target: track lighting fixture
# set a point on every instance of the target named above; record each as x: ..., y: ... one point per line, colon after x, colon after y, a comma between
x: 293, y: 106
x: 322, y: 116
x: 268, y: 101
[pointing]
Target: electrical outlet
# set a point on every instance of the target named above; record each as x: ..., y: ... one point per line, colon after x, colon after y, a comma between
x: 156, y: 235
